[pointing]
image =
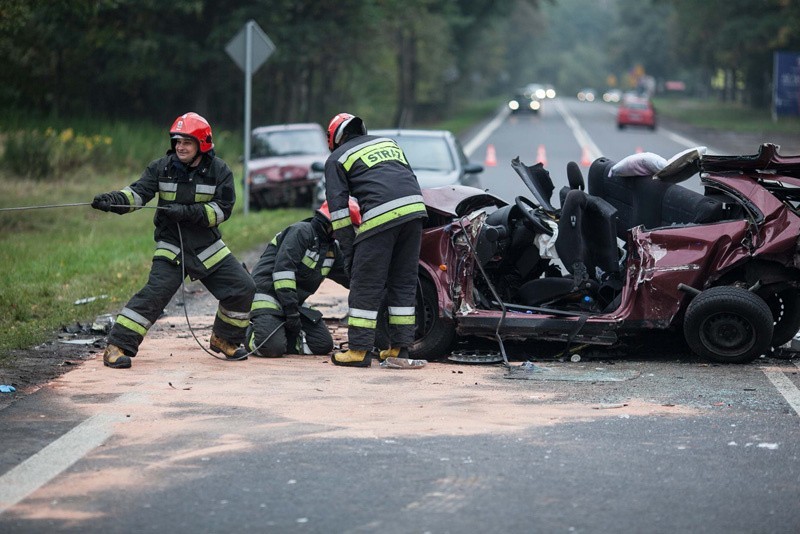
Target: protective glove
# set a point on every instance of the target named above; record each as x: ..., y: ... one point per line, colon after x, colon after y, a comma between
x: 115, y: 202
x: 103, y: 202
x: 292, y: 325
x: 176, y: 212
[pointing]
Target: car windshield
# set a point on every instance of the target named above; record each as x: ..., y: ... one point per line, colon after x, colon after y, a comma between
x: 288, y: 143
x: 427, y: 153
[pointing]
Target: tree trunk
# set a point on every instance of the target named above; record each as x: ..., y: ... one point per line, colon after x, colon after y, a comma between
x: 407, y: 77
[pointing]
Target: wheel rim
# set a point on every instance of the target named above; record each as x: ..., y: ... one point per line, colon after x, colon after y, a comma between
x: 727, y: 334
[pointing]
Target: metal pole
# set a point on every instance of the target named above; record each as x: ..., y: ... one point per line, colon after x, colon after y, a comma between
x: 248, y: 90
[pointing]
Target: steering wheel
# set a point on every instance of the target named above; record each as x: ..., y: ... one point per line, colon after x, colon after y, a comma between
x: 530, y: 219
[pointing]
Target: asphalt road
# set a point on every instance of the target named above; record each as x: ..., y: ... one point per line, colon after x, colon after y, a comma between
x: 656, y: 441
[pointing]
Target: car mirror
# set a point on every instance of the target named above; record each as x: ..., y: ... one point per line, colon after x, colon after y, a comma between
x: 473, y: 168
x: 318, y: 166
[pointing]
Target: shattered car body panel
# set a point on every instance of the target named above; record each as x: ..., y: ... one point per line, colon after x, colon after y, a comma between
x: 727, y: 279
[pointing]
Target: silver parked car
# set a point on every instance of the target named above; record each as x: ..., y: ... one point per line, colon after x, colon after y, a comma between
x: 436, y: 156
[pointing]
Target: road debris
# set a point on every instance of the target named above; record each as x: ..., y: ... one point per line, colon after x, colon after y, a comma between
x: 87, y: 300
x: 610, y: 406
x: 403, y: 363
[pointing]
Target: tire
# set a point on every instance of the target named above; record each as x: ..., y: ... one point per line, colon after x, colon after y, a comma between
x: 728, y: 325
x: 785, y: 307
x: 434, y: 336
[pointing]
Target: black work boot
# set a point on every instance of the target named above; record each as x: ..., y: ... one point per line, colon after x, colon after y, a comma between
x: 115, y: 358
x: 231, y: 351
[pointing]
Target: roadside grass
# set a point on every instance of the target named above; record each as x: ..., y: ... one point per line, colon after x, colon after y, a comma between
x: 469, y: 114
x: 724, y: 116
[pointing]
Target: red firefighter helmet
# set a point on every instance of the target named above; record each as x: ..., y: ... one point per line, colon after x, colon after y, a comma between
x: 194, y: 126
x: 352, y: 204
x: 337, y: 126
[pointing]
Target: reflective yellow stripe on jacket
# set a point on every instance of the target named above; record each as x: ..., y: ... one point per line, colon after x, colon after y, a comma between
x: 390, y: 211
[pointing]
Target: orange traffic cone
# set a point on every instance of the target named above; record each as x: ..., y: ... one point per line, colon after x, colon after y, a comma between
x: 491, y: 157
x: 585, y: 159
x: 541, y: 157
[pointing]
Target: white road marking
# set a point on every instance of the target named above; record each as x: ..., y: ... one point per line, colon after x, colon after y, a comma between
x: 487, y: 130
x: 580, y: 134
x: 688, y: 143
x: 785, y: 387
x: 48, y: 463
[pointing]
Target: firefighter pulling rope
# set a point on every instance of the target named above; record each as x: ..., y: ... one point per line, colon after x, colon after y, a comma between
x: 195, y: 194
x: 183, y: 273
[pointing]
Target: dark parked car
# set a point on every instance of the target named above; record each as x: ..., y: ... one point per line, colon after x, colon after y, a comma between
x: 636, y: 111
x: 436, y: 156
x: 719, y: 269
x: 279, y: 169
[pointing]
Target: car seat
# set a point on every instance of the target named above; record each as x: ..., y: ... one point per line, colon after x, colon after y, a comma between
x: 587, y: 246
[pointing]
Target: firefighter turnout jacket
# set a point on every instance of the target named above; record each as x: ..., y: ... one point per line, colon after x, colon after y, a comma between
x: 208, y: 193
x: 294, y: 265
x: 375, y: 171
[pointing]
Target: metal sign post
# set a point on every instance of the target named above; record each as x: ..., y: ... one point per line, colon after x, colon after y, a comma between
x: 249, y: 49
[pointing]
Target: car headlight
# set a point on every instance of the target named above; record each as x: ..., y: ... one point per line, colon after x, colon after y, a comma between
x: 514, y: 105
x: 258, y: 179
x: 535, y: 105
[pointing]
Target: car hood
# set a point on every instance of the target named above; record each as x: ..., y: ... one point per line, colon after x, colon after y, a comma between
x: 429, y: 178
x: 459, y: 200
x: 304, y: 160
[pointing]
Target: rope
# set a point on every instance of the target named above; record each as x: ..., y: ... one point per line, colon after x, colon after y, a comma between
x: 183, y: 272
x: 46, y: 206
x: 189, y: 324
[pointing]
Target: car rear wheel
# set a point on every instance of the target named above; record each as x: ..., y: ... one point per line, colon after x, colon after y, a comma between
x: 435, y: 336
x: 728, y: 324
x: 785, y: 307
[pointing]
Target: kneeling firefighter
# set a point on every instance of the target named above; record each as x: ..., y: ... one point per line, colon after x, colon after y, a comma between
x: 195, y: 195
x: 290, y: 270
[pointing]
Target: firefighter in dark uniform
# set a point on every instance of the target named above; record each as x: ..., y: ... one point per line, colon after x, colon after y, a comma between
x: 382, y: 254
x: 196, y: 192
x: 291, y: 269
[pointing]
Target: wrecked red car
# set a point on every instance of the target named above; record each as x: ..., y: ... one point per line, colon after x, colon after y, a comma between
x: 624, y: 257
x: 279, y: 171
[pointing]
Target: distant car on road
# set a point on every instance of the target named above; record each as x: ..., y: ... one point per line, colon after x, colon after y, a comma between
x: 587, y: 94
x: 279, y: 169
x: 612, y: 96
x: 524, y: 102
x: 436, y: 156
x: 636, y: 111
